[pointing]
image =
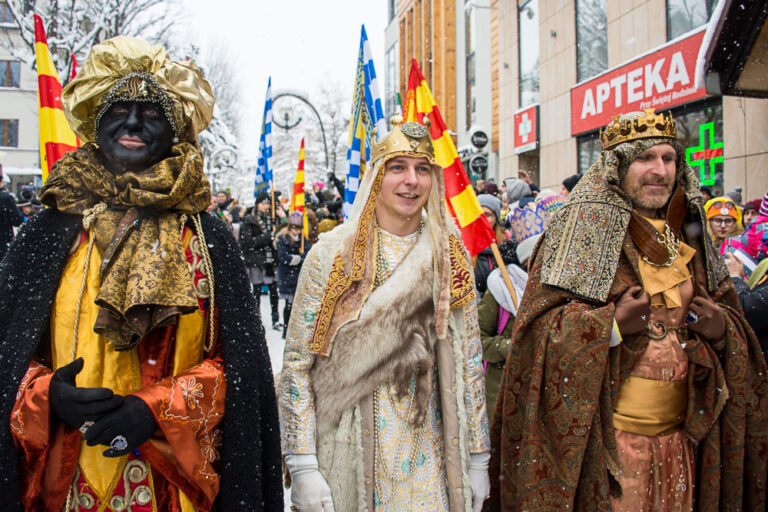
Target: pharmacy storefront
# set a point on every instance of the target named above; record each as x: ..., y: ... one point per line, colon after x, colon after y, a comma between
x: 662, y: 79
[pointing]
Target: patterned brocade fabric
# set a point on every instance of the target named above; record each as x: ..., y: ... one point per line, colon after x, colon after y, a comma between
x: 414, y: 463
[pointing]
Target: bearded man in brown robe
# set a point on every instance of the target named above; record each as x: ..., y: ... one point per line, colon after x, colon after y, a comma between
x: 633, y: 382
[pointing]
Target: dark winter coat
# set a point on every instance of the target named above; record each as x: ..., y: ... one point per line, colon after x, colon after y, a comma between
x: 754, y: 302
x: 10, y: 216
x: 485, y: 264
x: 250, y: 455
x: 287, y: 274
x: 256, y: 242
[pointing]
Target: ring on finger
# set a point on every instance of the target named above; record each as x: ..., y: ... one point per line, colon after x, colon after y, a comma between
x: 691, y: 317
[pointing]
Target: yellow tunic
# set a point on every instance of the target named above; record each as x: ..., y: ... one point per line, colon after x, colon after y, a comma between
x: 103, y: 365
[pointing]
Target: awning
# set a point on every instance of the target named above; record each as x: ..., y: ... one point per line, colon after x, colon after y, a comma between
x: 733, y: 58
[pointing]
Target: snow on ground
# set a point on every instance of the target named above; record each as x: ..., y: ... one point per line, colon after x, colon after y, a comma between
x: 275, y: 344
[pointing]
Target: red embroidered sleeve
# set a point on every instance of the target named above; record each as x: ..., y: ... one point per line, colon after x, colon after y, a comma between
x: 31, y: 424
x: 188, y: 409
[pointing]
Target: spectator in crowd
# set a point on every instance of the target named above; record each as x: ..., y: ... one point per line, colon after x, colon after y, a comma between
x: 735, y: 194
x: 480, y: 186
x: 516, y: 189
x: 706, y: 193
x: 491, y: 188
x: 26, y: 196
x: 256, y: 243
x: 332, y: 216
x: 724, y: 219
x: 290, y: 255
x: 491, y: 206
x: 568, y: 184
x: 496, y: 317
x: 332, y: 178
x: 10, y: 217
x: 526, y: 177
x: 229, y: 206
x: 750, y: 211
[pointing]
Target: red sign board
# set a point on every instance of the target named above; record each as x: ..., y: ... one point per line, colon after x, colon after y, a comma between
x: 527, y: 129
x: 661, y: 79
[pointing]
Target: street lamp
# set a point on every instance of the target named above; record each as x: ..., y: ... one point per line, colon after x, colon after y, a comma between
x: 286, y: 116
x: 222, y: 160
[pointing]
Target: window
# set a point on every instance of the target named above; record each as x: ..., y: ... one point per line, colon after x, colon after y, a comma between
x: 9, y: 132
x: 685, y: 15
x: 391, y: 82
x: 591, y: 38
x: 5, y: 13
x: 392, y: 9
x: 700, y: 132
x: 589, y: 150
x: 528, y: 32
x: 470, y: 46
x: 10, y: 71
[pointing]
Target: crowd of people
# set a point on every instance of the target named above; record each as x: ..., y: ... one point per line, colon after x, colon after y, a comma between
x: 614, y: 361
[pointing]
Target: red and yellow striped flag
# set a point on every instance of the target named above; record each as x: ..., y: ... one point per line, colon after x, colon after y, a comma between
x: 56, y: 137
x: 462, y: 202
x: 297, y: 196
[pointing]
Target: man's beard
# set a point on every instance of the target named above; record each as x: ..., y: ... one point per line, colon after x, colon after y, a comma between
x: 650, y: 201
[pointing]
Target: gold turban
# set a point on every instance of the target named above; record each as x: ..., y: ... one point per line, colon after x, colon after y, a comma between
x: 180, y: 88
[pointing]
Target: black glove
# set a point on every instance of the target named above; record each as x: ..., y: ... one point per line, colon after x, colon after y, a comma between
x: 133, y: 422
x: 73, y: 405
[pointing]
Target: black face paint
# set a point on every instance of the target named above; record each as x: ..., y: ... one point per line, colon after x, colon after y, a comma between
x: 134, y: 136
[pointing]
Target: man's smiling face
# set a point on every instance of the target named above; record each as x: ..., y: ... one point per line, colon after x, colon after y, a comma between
x: 134, y: 135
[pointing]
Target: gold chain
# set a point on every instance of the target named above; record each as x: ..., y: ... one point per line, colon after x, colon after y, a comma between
x: 672, y: 244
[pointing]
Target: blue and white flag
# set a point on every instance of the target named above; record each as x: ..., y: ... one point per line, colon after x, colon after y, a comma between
x: 367, y: 114
x: 264, y: 167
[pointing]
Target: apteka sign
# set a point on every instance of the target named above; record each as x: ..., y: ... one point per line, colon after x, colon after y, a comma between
x: 661, y: 79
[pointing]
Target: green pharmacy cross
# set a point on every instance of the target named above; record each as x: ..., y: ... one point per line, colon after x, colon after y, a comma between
x: 706, y: 155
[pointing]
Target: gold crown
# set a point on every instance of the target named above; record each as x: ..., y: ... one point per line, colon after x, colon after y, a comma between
x: 406, y: 138
x: 628, y: 127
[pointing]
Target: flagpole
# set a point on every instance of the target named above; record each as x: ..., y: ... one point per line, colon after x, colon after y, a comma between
x: 504, y: 274
x: 272, y: 193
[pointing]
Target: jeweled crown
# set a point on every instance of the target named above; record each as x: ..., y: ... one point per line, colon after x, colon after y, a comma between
x: 528, y: 221
x: 406, y: 138
x: 647, y: 124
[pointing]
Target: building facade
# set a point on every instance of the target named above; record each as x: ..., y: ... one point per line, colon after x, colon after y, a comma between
x: 19, y: 137
x: 455, y: 43
x: 568, y: 67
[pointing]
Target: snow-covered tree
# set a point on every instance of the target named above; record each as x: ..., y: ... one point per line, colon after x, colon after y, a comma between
x: 74, y: 26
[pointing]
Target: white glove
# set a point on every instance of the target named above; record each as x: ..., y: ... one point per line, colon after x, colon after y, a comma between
x: 295, y: 260
x: 479, y: 479
x: 309, y: 490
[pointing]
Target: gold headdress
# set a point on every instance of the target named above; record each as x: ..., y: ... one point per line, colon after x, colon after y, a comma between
x: 405, y: 139
x: 634, y: 126
x: 128, y: 69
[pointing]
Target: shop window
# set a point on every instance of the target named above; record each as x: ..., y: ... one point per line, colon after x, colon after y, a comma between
x: 10, y: 73
x: 700, y: 132
x: 528, y: 32
x: 5, y: 14
x: 686, y: 15
x: 391, y: 82
x: 589, y: 150
x: 591, y: 38
x: 9, y: 132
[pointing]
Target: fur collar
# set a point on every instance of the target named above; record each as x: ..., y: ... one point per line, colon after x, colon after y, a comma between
x: 392, y: 338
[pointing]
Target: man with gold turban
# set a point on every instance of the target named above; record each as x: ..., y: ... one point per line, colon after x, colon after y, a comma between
x: 633, y: 382
x: 134, y: 370
x: 381, y: 398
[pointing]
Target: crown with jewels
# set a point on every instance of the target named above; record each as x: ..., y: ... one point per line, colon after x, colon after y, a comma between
x: 528, y: 221
x: 406, y: 138
x: 647, y: 124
